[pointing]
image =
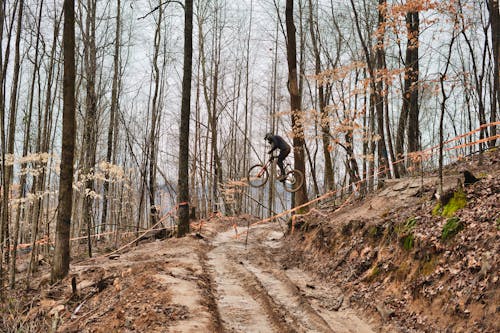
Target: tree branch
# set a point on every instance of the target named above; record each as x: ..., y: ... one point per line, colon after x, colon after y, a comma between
x: 158, y: 7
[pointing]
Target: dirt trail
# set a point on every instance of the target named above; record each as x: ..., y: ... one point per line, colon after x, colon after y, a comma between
x: 255, y: 293
x: 212, y: 283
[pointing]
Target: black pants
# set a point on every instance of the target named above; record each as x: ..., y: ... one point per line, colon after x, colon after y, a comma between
x: 281, y: 157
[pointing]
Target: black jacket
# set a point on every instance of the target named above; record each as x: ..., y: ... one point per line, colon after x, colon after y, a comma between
x: 277, y: 142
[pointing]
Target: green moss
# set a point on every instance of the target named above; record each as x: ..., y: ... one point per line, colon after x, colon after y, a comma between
x: 452, y: 227
x: 436, y: 211
x: 458, y: 201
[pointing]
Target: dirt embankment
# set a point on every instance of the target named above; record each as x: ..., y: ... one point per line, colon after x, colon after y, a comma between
x: 397, y: 258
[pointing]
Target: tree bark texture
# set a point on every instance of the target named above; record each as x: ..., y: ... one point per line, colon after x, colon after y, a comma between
x: 183, y: 179
x: 60, y: 265
x: 295, y: 102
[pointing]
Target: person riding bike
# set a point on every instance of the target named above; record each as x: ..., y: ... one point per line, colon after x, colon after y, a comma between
x: 277, y: 142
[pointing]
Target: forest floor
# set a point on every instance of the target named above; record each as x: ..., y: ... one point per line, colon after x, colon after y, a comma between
x: 377, y: 264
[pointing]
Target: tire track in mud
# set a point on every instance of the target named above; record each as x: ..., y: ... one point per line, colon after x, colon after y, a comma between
x: 242, y: 302
x: 254, y: 294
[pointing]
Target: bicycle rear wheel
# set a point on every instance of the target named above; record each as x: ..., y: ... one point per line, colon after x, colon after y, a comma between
x: 293, y: 181
x: 257, y: 176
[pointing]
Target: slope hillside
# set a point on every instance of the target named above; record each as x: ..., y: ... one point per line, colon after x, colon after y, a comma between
x: 389, y: 262
x: 398, y: 258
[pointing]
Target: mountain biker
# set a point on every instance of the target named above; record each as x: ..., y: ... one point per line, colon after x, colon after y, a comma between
x: 277, y: 142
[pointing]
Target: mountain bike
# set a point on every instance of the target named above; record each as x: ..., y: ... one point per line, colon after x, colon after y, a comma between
x: 258, y: 175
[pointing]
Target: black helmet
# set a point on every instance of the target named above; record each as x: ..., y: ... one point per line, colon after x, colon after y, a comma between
x: 268, y: 136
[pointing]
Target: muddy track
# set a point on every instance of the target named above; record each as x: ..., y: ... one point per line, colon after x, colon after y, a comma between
x: 255, y: 293
x: 210, y: 283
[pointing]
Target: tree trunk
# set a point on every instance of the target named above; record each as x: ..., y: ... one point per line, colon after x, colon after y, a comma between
x: 295, y: 102
x: 324, y: 119
x: 408, y: 119
x: 112, y: 113
x: 444, y: 97
x: 5, y: 192
x: 412, y: 70
x: 183, y: 182
x: 153, y: 212
x: 383, y: 156
x: 12, y: 130
x: 61, y: 261
x: 90, y: 129
x: 495, y: 36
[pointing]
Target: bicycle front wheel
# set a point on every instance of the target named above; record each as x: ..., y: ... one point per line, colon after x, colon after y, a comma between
x: 293, y: 181
x: 257, y: 176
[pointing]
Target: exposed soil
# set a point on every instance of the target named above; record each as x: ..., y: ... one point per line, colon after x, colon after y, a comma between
x: 210, y: 281
x: 388, y: 252
x: 379, y: 264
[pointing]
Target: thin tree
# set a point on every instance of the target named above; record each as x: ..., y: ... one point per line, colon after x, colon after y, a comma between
x: 408, y: 119
x: 113, y: 112
x: 13, y: 113
x: 324, y: 122
x: 444, y: 96
x: 60, y: 266
x: 3, y: 146
x: 495, y: 39
x: 295, y: 102
x: 183, y: 179
x: 90, y: 129
x: 376, y: 96
x: 155, y: 114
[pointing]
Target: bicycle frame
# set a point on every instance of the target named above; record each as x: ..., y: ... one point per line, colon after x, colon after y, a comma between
x: 266, y: 166
x: 269, y: 162
x: 261, y: 172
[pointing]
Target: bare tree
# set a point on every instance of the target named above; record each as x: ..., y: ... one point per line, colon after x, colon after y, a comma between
x: 113, y: 111
x: 495, y: 37
x: 90, y: 123
x: 444, y: 98
x: 376, y: 81
x: 13, y: 116
x: 408, y: 119
x: 5, y: 191
x: 183, y: 182
x: 60, y: 266
x: 295, y: 102
x: 152, y: 146
x: 324, y: 122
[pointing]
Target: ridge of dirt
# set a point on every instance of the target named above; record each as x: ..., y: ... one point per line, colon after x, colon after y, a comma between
x: 387, y: 254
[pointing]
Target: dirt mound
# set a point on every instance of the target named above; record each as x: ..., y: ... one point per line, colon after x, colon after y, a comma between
x: 399, y: 258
